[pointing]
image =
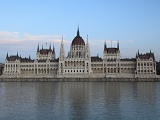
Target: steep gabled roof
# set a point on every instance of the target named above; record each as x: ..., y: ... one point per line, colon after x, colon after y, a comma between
x: 146, y: 56
x: 13, y: 58
x: 45, y: 51
x: 96, y: 59
x: 112, y: 50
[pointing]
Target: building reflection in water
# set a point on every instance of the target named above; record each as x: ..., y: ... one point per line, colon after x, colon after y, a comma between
x: 112, y: 100
x: 18, y: 100
x: 146, y: 100
x: 79, y: 100
x: 47, y: 99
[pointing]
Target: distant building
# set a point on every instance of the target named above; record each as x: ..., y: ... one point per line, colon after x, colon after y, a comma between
x: 79, y: 64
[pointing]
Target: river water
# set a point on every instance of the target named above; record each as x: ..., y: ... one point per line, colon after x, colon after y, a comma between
x: 79, y: 100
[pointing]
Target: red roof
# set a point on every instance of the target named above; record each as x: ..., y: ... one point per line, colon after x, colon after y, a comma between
x: 96, y: 59
x: 146, y: 56
x: 15, y: 57
x: 78, y: 41
x: 45, y: 51
x: 24, y: 60
x: 112, y: 50
x: 12, y: 58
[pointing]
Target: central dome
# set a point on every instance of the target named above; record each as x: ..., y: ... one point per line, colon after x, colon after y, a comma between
x: 78, y: 40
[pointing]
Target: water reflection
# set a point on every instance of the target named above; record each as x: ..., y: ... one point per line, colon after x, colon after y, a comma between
x: 17, y: 100
x: 112, y: 100
x: 79, y: 100
x: 146, y: 100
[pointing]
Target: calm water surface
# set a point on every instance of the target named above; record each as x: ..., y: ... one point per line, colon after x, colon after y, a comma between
x: 79, y: 100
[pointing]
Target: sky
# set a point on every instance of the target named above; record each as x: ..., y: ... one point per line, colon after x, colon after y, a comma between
x: 25, y: 23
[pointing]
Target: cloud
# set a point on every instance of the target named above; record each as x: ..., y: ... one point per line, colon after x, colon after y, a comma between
x: 6, y: 33
x: 19, y: 39
x: 15, y: 38
x: 25, y: 44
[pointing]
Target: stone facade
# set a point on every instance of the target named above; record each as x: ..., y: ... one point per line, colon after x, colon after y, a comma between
x: 79, y: 64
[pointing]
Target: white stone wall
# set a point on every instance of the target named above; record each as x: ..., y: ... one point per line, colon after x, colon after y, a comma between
x: 78, y: 64
x: 145, y: 68
x: 12, y: 67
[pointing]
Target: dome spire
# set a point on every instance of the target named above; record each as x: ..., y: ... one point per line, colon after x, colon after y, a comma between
x: 78, y: 32
x: 78, y: 40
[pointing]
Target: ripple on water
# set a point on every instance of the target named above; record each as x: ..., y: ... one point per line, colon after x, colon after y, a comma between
x: 79, y: 100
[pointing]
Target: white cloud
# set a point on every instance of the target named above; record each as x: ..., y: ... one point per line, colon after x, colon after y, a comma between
x: 13, y: 38
x: 25, y: 44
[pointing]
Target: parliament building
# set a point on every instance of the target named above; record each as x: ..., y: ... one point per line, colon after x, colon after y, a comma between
x: 78, y: 63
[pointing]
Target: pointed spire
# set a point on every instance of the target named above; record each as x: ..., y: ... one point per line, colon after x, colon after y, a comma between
x: 87, y: 49
x: 118, y: 44
x: 105, y: 46
x: 29, y: 57
x: 62, y: 53
x: 87, y: 41
x: 62, y: 41
x: 138, y: 52
x: 53, y: 49
x: 50, y: 46
x: 78, y: 31
x: 42, y: 47
x: 7, y: 55
x: 97, y: 55
x: 17, y: 54
x: 150, y: 53
x: 38, y: 48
